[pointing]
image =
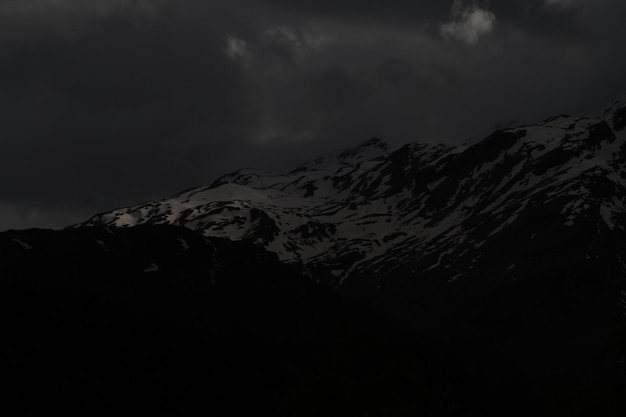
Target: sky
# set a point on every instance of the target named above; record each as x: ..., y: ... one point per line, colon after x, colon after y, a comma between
x: 110, y: 103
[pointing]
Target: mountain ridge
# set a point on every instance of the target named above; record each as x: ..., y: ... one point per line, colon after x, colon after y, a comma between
x: 423, y: 209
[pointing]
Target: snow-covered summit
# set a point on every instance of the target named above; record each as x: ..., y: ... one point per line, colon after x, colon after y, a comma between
x: 369, y: 149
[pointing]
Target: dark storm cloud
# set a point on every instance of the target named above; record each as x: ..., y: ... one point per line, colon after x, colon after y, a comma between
x: 105, y: 103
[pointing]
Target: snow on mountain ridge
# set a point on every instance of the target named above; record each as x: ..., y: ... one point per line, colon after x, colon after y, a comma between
x: 421, y: 209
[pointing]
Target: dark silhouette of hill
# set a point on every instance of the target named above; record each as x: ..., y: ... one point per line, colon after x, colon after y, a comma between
x: 157, y: 320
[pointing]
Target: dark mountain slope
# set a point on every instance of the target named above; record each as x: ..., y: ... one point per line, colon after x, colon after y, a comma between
x: 157, y: 320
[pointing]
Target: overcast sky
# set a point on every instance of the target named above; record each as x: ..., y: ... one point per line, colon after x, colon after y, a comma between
x: 109, y: 103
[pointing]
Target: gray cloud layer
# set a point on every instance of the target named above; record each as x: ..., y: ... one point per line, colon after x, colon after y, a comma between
x: 109, y: 103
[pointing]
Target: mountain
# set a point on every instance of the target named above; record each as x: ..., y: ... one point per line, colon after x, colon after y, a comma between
x: 521, y: 202
x: 509, y: 254
x: 485, y: 279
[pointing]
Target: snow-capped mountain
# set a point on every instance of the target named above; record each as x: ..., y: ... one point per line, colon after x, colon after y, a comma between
x: 532, y: 198
x: 483, y: 279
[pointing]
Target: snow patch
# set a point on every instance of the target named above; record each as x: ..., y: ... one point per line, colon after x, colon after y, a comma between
x: 23, y: 244
x: 184, y: 244
x: 454, y: 278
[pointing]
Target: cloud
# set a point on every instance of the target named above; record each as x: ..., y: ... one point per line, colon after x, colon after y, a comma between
x: 16, y: 215
x: 107, y: 103
x: 99, y: 6
x: 563, y: 4
x: 237, y: 48
x: 469, y: 23
x: 122, y: 111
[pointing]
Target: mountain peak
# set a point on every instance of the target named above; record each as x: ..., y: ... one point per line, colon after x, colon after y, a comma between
x: 372, y: 147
